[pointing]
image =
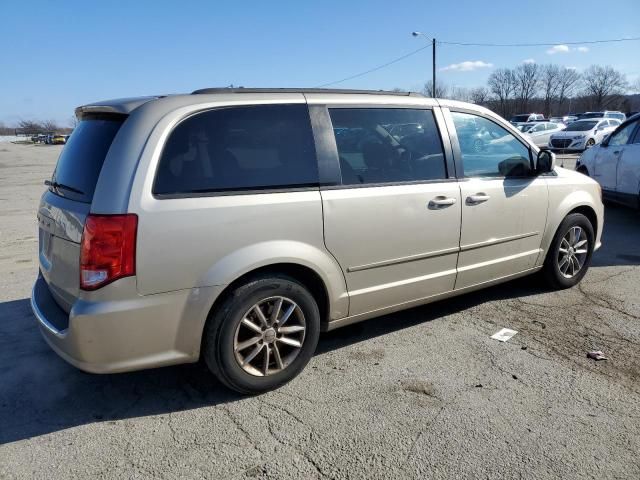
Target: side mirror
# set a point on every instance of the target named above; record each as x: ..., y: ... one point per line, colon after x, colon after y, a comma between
x: 605, y: 140
x: 546, y: 162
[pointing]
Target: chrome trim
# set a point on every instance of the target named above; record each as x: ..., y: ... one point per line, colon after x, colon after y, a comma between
x: 42, y: 319
x: 333, y: 324
x: 410, y: 258
x: 497, y: 241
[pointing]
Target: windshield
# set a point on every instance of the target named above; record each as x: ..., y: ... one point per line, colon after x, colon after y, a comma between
x: 580, y: 126
x: 82, y: 157
x: 592, y: 115
x: 520, y: 118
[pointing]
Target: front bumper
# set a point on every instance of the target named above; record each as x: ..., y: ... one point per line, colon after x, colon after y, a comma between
x: 111, y: 336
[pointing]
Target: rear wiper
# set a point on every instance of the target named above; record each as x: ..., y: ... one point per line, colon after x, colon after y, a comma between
x: 62, y: 186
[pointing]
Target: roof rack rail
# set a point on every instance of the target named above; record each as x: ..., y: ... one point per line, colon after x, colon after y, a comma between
x: 300, y: 90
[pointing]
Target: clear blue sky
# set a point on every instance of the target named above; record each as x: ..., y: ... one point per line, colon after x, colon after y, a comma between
x: 58, y: 55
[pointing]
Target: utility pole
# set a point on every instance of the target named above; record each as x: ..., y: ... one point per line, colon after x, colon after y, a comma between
x: 433, y: 66
x: 433, y: 61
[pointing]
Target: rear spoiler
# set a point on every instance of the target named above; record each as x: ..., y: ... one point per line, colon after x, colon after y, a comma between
x: 122, y: 106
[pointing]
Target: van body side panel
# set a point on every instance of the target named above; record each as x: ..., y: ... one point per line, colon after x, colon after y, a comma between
x: 212, y: 239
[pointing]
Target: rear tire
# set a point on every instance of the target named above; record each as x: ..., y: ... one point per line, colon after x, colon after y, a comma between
x: 569, y: 254
x: 583, y: 170
x: 281, y: 346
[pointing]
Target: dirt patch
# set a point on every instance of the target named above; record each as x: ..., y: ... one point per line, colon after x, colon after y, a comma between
x: 418, y: 386
x: 375, y: 354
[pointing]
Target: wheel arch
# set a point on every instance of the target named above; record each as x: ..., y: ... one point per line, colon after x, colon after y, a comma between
x: 579, y: 201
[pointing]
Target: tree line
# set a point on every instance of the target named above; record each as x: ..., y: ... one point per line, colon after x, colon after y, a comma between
x: 549, y: 89
x: 30, y: 127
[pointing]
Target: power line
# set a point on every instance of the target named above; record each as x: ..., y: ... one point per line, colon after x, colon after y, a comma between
x: 376, y: 68
x: 587, y: 42
x: 407, y: 55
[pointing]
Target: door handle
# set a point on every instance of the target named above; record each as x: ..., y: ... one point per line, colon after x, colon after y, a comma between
x: 477, y: 198
x: 441, y: 202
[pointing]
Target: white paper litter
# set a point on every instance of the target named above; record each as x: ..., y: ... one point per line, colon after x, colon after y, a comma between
x: 504, y: 335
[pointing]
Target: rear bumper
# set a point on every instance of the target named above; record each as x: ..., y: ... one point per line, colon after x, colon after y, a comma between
x: 111, y: 336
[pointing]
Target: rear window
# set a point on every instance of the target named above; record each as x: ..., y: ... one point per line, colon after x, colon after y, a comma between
x: 239, y: 148
x: 80, y: 162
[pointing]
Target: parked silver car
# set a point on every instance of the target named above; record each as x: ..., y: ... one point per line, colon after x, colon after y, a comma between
x: 540, y: 132
x: 615, y: 164
x: 583, y: 134
x: 235, y: 225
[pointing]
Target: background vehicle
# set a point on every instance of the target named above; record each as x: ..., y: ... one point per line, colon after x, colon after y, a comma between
x: 526, y: 117
x: 582, y: 134
x: 58, y: 140
x: 615, y: 163
x: 540, y: 133
x: 280, y: 204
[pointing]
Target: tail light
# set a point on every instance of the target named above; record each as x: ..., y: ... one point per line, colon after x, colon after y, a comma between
x: 108, y: 249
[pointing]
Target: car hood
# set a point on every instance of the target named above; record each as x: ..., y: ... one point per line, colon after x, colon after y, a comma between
x: 565, y: 134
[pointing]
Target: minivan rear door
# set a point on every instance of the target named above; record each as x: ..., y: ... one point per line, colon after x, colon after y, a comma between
x: 67, y: 202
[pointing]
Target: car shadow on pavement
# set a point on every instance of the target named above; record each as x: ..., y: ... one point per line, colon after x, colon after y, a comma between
x: 620, y: 238
x: 40, y: 393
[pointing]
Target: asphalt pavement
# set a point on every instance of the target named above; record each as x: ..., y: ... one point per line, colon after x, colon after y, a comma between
x: 424, y: 393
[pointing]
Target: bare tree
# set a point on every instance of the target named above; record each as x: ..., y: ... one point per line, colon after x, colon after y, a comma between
x: 603, y: 84
x: 568, y: 83
x: 49, y: 126
x: 441, y: 90
x: 635, y: 87
x: 479, y: 95
x: 549, y: 85
x: 526, y: 79
x: 502, y: 85
x: 459, y: 93
x: 73, y: 120
x: 29, y: 126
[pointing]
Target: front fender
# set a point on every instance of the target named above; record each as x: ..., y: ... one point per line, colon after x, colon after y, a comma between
x: 565, y: 195
x: 263, y: 254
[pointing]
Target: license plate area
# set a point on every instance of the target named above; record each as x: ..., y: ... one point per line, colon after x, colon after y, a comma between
x: 46, y: 227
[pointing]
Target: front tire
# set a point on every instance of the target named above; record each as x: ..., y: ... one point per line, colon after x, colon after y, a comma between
x: 569, y: 254
x: 590, y: 143
x: 262, y: 335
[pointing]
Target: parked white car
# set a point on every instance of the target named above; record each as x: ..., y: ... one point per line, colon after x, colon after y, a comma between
x: 583, y: 134
x: 540, y: 132
x: 615, y: 164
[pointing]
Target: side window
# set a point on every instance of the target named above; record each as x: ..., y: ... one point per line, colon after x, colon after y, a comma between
x: 621, y: 137
x: 239, y: 148
x: 636, y: 137
x: 385, y: 145
x: 489, y: 150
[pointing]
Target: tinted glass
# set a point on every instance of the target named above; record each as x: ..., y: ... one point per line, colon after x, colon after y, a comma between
x: 382, y: 145
x: 488, y: 150
x: 581, y: 126
x: 239, y: 148
x: 636, y: 137
x: 621, y: 137
x: 82, y: 157
x: 520, y: 118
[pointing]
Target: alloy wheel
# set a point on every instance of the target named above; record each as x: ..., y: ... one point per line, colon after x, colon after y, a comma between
x: 270, y: 336
x: 572, y: 252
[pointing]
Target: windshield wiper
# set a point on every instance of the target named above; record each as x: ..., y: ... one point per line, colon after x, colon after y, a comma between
x: 62, y: 186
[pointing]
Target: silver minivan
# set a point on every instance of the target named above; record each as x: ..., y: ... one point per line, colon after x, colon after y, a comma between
x: 234, y: 225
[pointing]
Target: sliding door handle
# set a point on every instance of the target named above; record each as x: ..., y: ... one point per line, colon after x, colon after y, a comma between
x: 477, y: 198
x: 441, y: 202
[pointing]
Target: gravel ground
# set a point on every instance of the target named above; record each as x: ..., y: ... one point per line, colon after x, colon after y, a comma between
x: 420, y: 394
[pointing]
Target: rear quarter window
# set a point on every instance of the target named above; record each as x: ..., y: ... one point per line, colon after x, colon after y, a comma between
x: 239, y: 148
x: 81, y: 160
